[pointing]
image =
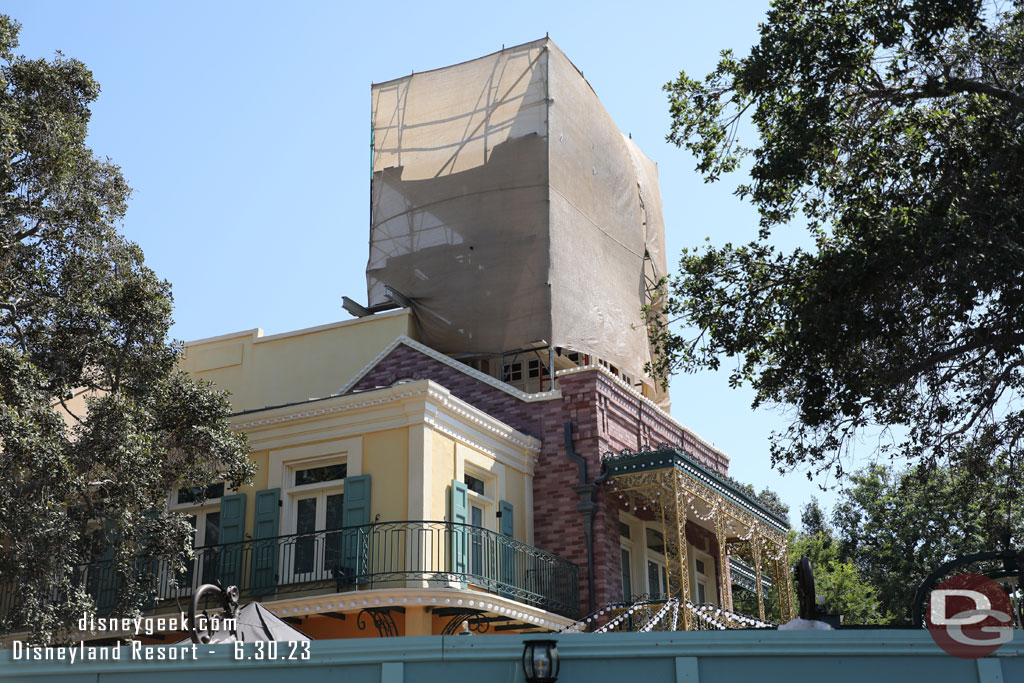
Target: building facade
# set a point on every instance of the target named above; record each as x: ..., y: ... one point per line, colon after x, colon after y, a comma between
x: 480, y: 447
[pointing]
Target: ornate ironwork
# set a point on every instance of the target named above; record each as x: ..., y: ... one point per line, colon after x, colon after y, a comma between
x: 378, y: 555
x: 382, y: 619
x: 654, y: 481
x: 474, y: 619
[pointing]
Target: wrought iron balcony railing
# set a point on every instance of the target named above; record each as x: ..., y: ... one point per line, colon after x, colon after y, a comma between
x: 380, y: 555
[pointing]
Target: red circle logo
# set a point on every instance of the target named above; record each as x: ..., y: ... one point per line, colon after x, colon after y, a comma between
x: 970, y: 616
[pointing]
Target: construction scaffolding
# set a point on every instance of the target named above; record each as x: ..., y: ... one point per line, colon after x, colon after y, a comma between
x: 509, y: 210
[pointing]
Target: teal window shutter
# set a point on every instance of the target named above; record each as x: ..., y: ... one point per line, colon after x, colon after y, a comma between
x: 232, y: 533
x: 355, y: 515
x: 101, y: 579
x: 508, y: 554
x: 264, y: 552
x: 460, y: 534
x: 508, y: 517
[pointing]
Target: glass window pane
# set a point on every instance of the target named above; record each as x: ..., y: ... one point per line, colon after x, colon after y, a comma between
x: 655, y: 541
x: 623, y: 530
x: 334, y: 510
x: 700, y: 566
x: 652, y: 579
x: 318, y: 475
x: 305, y: 520
x: 333, y: 542
x: 197, y: 494
x: 305, y: 546
x: 474, y: 484
x: 476, y: 541
x: 701, y: 597
x: 212, y: 529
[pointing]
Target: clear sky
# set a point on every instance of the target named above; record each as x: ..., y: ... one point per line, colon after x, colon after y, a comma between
x: 244, y: 130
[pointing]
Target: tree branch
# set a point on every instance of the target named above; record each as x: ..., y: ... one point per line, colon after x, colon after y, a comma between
x: 951, y: 86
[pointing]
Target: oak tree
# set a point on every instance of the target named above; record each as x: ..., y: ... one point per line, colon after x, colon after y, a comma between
x: 892, y: 131
x: 97, y: 425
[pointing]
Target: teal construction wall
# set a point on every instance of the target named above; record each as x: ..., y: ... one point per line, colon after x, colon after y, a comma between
x: 854, y: 656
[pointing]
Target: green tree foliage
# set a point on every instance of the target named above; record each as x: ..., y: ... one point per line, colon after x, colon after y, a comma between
x: 894, y: 129
x: 81, y: 315
x: 898, y: 527
x: 837, y: 580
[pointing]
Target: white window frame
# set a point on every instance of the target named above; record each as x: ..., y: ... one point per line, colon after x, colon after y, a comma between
x: 708, y: 577
x: 658, y: 559
x: 292, y: 494
x: 484, y: 501
x: 199, y: 511
x: 627, y: 545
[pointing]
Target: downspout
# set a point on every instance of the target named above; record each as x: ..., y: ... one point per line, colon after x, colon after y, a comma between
x: 587, y: 506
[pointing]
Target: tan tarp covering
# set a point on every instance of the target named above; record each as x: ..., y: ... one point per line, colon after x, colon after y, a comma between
x: 506, y: 203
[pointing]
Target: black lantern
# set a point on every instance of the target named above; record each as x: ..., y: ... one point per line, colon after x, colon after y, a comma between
x: 540, y: 661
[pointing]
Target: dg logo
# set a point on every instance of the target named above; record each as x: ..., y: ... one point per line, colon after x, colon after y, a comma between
x: 970, y: 616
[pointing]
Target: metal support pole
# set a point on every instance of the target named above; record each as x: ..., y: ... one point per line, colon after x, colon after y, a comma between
x: 684, y: 572
x: 756, y: 541
x: 723, y: 573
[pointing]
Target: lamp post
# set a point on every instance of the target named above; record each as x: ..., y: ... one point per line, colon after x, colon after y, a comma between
x: 540, y: 661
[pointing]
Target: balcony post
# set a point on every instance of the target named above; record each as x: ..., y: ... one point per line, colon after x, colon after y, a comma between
x: 723, y: 569
x: 680, y: 533
x: 755, y: 545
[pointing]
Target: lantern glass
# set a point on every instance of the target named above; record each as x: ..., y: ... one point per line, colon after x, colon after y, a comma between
x: 540, y: 661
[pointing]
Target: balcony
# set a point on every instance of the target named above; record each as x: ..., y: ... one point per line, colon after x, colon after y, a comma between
x: 410, y: 554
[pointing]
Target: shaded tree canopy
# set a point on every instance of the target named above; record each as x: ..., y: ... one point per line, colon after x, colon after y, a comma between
x: 894, y: 130
x: 897, y: 527
x: 96, y: 424
x: 840, y: 583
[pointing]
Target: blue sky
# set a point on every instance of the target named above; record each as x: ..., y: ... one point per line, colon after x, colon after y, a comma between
x: 244, y: 130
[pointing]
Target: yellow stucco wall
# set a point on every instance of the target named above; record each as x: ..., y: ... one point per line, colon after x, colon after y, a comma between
x: 262, y: 371
x: 386, y: 460
x: 442, y: 455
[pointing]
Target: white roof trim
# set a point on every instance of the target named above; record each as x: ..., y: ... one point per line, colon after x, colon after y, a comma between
x: 461, y: 410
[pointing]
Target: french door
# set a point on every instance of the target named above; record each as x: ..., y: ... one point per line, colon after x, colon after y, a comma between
x: 316, y: 553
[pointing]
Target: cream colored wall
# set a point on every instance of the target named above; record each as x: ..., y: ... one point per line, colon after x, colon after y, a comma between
x: 259, y: 483
x: 386, y: 460
x: 442, y: 453
x: 263, y: 371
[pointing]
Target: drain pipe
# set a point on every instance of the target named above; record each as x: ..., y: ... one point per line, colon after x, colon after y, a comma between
x: 587, y: 506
